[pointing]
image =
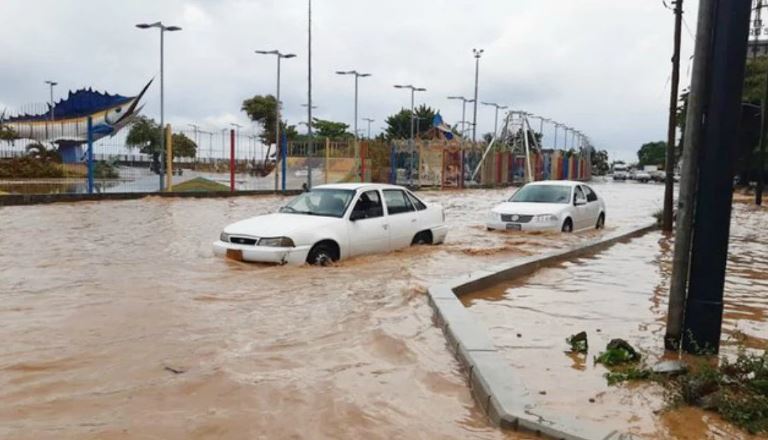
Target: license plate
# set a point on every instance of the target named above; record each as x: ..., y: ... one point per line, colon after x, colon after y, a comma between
x: 235, y: 254
x: 514, y: 227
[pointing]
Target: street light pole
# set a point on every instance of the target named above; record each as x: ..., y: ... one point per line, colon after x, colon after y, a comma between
x: 478, y: 53
x: 278, y: 104
x: 464, y: 102
x: 357, y: 75
x: 163, y: 29
x: 413, y: 115
x: 496, y: 118
x: 369, y: 120
x: 52, y: 84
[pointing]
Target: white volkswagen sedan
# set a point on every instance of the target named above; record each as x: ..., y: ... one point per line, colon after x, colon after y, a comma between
x: 335, y: 222
x: 550, y: 206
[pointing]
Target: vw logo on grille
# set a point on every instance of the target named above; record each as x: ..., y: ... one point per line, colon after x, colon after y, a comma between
x: 515, y: 218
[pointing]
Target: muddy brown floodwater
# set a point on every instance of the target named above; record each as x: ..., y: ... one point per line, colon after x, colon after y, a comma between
x: 622, y: 293
x: 118, y: 322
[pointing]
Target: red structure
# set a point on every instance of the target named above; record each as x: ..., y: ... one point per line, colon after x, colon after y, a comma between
x: 232, y: 160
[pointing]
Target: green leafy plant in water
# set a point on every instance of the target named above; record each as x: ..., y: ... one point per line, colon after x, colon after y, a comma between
x: 578, y: 343
x: 618, y: 352
x: 629, y: 375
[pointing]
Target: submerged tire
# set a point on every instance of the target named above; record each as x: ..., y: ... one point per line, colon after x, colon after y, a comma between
x: 423, y: 237
x: 322, y: 254
x: 567, y: 226
x: 600, y: 222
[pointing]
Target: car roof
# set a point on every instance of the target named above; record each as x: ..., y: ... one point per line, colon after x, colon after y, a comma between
x: 556, y: 182
x: 357, y: 186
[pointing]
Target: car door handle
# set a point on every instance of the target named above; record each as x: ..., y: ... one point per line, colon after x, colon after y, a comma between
x: 413, y: 220
x: 385, y: 227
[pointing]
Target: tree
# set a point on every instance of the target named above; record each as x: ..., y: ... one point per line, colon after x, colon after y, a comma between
x: 652, y: 153
x: 262, y: 109
x: 331, y: 129
x: 144, y: 134
x: 183, y: 146
x: 399, y: 124
x: 599, y: 161
x: 38, y: 151
x: 7, y: 133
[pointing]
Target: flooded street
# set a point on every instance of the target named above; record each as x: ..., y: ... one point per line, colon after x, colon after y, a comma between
x: 622, y: 293
x: 118, y: 322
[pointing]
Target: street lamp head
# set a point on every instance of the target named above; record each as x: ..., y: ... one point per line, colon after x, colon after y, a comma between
x: 364, y: 75
x: 456, y: 97
x: 172, y: 28
x: 52, y: 83
x: 345, y: 72
x: 398, y: 86
x: 419, y: 89
x: 267, y: 52
x: 478, y: 52
x: 147, y: 26
x: 289, y: 55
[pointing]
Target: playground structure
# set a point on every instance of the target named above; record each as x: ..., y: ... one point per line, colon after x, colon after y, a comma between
x: 441, y: 159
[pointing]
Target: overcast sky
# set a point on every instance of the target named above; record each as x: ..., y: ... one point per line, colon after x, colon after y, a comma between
x: 601, y: 66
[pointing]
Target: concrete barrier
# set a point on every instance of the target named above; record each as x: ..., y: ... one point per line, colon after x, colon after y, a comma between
x: 502, y: 395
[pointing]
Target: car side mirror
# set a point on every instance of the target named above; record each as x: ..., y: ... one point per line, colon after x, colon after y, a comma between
x: 356, y: 215
x: 580, y: 202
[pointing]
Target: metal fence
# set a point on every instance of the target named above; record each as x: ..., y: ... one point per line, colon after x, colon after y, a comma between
x: 228, y: 161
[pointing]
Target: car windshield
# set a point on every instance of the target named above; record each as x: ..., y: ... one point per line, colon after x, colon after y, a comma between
x: 322, y: 202
x: 542, y: 194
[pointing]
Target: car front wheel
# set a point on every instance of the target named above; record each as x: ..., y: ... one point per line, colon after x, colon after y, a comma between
x: 567, y: 226
x: 322, y: 254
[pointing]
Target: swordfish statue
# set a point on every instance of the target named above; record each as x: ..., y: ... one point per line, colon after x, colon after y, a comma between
x: 65, y: 124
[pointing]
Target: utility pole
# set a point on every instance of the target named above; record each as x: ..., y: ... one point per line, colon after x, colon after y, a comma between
x: 763, y: 141
x: 757, y: 28
x: 310, y: 147
x: 669, y: 188
x: 478, y: 53
x: 706, y: 191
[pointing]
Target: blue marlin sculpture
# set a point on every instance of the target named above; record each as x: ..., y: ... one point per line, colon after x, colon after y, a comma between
x: 66, y: 122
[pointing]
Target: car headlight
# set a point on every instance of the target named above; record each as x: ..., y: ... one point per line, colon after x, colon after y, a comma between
x: 276, y: 242
x: 494, y: 216
x: 545, y: 218
x: 224, y: 237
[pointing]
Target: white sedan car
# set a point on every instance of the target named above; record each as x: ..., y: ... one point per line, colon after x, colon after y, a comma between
x: 335, y: 222
x: 550, y: 206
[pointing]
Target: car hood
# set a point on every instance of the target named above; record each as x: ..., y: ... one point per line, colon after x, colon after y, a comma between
x: 279, y: 225
x: 529, y: 208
